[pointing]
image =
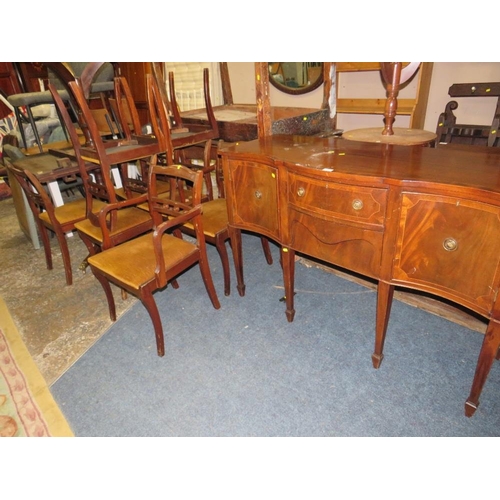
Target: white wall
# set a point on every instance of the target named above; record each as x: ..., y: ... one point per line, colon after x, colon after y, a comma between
x: 479, y: 110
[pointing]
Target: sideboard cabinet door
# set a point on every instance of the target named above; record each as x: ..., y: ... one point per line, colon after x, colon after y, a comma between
x: 254, y: 197
x: 450, y: 246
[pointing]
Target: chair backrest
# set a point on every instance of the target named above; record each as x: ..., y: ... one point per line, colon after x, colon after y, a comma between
x: 159, y: 76
x: 37, y: 197
x: 170, y: 101
x: 159, y: 118
x: 125, y: 109
x: 99, y: 185
x: 208, y: 103
x: 181, y: 178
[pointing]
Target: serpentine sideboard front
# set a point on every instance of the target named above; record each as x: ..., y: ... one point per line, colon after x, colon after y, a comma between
x: 421, y: 218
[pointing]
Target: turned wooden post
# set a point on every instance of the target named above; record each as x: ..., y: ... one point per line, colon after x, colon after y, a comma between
x: 394, y: 75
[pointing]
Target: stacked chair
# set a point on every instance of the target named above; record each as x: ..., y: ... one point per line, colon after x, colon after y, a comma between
x: 215, y: 218
x: 134, y: 237
x: 214, y: 215
x: 138, y: 250
x: 117, y: 221
x: 189, y: 141
x: 49, y: 218
x: 134, y: 180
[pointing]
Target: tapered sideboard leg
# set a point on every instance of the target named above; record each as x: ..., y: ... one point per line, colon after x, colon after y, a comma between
x: 235, y: 236
x: 385, y: 294
x: 488, y: 353
x: 288, y: 263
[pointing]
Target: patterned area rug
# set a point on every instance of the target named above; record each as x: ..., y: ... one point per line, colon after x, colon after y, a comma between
x: 27, y: 408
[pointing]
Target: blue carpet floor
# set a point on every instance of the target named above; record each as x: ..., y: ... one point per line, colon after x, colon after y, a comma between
x: 243, y: 370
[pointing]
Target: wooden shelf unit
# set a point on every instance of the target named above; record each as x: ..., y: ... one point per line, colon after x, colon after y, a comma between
x: 415, y: 108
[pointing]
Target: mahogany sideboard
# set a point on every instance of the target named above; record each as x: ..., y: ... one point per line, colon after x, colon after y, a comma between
x: 422, y: 218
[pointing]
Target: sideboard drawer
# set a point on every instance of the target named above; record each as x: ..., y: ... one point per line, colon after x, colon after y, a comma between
x: 450, y: 246
x: 351, y: 203
x: 347, y: 245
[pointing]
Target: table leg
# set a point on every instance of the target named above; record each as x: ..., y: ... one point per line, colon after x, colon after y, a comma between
x: 115, y: 172
x: 488, y: 353
x: 55, y: 194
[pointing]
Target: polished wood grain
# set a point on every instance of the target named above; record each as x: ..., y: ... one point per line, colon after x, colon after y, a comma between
x: 420, y: 218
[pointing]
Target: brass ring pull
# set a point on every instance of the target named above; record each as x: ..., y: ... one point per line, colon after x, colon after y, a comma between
x: 450, y: 244
x: 258, y: 195
x: 301, y: 191
x: 357, y: 204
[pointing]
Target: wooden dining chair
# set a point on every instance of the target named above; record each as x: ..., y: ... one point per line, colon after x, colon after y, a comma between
x: 150, y: 262
x: 214, y: 216
x: 188, y: 140
x: 134, y: 177
x: 124, y: 108
x: 58, y: 220
x: 117, y: 221
x: 196, y: 133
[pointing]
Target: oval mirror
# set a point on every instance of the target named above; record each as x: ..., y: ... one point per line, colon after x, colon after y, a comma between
x: 296, y: 77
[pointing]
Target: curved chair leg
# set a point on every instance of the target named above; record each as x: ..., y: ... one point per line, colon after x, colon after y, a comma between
x: 63, y: 245
x: 44, y: 235
x: 267, y: 249
x: 209, y: 284
x: 109, y: 293
x: 150, y: 304
x: 220, y: 244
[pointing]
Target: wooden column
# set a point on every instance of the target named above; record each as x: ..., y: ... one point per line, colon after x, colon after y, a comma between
x: 264, y: 118
x: 328, y: 88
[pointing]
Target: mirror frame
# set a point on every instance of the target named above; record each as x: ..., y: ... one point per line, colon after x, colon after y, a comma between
x: 300, y: 90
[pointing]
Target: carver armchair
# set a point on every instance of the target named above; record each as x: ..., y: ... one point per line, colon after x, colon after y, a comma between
x: 147, y: 264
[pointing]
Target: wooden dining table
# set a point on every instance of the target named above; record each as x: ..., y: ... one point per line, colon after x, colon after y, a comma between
x: 238, y: 122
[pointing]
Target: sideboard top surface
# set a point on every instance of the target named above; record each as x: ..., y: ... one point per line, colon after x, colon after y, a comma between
x: 472, y: 167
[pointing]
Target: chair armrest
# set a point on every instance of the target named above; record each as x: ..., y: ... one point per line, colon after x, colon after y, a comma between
x: 110, y: 207
x: 160, y: 231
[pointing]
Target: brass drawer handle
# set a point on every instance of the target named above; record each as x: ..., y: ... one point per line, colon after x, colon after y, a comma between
x: 357, y: 204
x: 258, y: 195
x: 301, y: 191
x: 450, y: 244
